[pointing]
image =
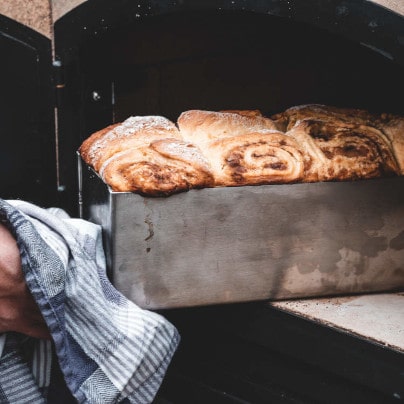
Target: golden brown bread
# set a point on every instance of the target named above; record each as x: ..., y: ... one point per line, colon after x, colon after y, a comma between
x: 151, y: 156
x: 265, y: 157
x: 337, y: 151
x: 244, y: 112
x: 164, y: 167
x: 389, y: 125
x: 199, y: 126
x: 393, y: 127
x: 86, y: 146
x: 287, y: 119
x: 132, y: 133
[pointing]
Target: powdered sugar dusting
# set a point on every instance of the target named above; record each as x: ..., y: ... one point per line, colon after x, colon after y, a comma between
x: 138, y: 123
x: 181, y: 150
x: 131, y: 126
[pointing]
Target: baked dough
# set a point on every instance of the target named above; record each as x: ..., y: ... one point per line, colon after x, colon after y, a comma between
x: 393, y: 127
x: 389, y: 125
x: 244, y: 112
x: 150, y: 155
x: 287, y: 119
x: 265, y: 157
x: 134, y: 132
x: 164, y: 167
x: 338, y: 151
x: 201, y: 127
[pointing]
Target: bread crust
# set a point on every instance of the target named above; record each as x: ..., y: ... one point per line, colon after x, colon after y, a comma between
x: 339, y: 151
x: 390, y: 125
x: 393, y: 127
x: 244, y: 112
x: 256, y: 158
x: 150, y: 155
x: 198, y: 126
x: 86, y: 146
x: 165, y: 167
x: 287, y: 119
x: 134, y: 132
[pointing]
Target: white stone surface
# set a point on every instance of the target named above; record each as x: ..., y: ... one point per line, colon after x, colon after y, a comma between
x: 377, y: 317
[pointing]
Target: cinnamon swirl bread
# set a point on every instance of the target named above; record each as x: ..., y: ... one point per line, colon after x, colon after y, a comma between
x: 389, y: 125
x: 152, y: 156
x: 337, y: 151
x: 134, y: 132
x: 287, y: 119
x: 164, y: 167
x: 244, y: 112
x: 199, y: 126
x: 265, y: 157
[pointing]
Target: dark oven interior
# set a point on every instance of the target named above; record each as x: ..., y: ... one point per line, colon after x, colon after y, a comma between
x: 232, y: 60
x: 161, y: 58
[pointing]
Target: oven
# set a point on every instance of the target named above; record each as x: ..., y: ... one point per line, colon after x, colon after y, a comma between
x: 74, y: 67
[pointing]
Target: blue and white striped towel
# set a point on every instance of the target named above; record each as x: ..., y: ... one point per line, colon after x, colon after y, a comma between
x: 109, y: 350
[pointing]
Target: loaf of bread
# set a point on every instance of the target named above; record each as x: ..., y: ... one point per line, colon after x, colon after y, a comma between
x: 153, y: 156
x: 164, y: 167
x: 200, y: 127
x: 134, y: 132
x: 287, y: 119
x: 244, y: 112
x: 255, y: 158
x: 390, y: 126
x: 337, y: 150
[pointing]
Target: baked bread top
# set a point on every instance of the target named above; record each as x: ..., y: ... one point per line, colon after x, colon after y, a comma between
x: 198, y: 126
x: 134, y: 132
x: 337, y: 151
x: 255, y: 158
x: 152, y: 155
x: 164, y: 167
x: 389, y: 125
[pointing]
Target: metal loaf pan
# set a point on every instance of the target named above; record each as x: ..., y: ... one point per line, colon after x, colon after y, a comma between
x: 223, y: 245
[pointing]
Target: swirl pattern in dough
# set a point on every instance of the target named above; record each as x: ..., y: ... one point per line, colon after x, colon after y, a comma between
x: 338, y: 151
x: 265, y: 157
x: 389, y: 125
x: 165, y: 167
x: 150, y: 155
x: 134, y: 132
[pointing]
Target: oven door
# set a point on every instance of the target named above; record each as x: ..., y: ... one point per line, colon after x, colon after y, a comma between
x: 27, y: 152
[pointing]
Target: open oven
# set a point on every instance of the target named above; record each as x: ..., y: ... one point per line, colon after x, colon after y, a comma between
x: 82, y: 65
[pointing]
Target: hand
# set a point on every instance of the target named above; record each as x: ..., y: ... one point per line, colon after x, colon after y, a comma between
x: 18, y: 310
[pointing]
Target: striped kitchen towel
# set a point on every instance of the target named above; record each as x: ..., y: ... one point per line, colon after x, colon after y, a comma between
x: 109, y: 350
